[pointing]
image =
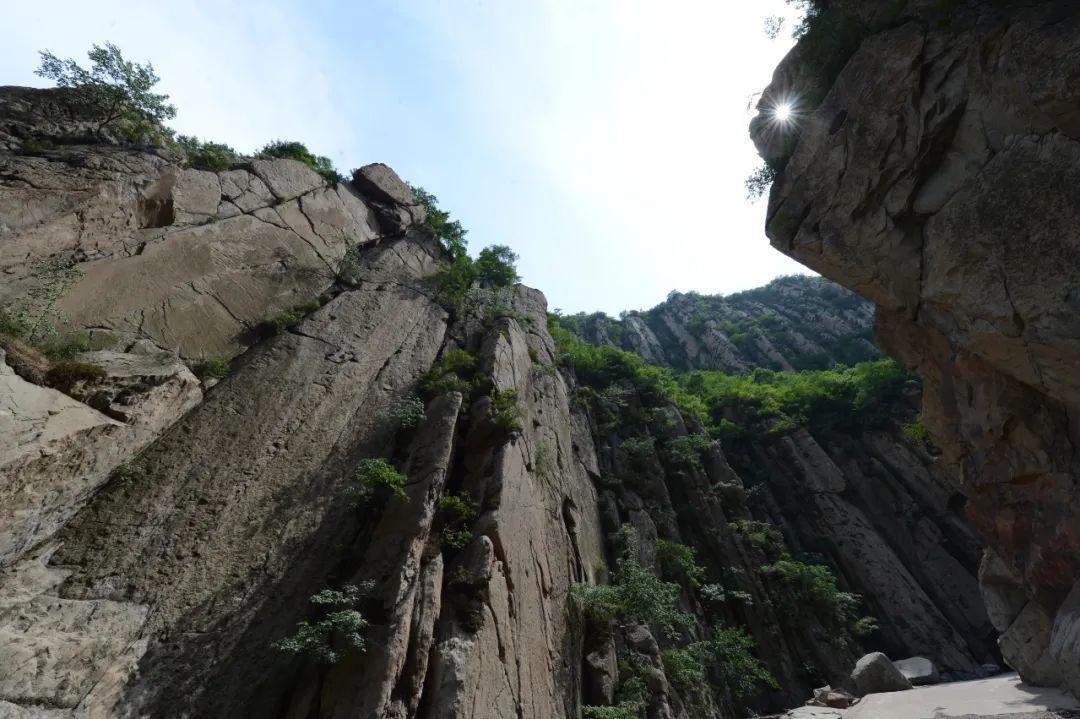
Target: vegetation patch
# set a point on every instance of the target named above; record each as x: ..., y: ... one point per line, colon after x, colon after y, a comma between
x: 508, y: 413
x: 212, y: 368
x: 455, y: 372
x: 635, y: 594
x: 377, y: 476
x: 679, y: 563
x: 292, y: 150
x: 457, y: 511
x: 409, y: 413
x: 116, y: 93
x: 340, y: 629
x: 287, y: 319
x: 66, y: 374
x: 212, y: 156
x: 494, y: 267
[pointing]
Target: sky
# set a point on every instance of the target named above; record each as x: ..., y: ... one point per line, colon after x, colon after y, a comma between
x: 605, y: 141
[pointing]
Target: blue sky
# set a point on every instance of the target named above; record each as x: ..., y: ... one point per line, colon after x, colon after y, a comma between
x: 603, y: 140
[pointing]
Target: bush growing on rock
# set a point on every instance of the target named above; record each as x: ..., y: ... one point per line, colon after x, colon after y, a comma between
x: 494, y: 267
x: 731, y: 655
x: 212, y: 156
x: 635, y: 594
x: 453, y: 373
x: 212, y: 368
x: 340, y: 629
x: 457, y: 512
x: 374, y: 475
x: 507, y: 412
x: 679, y: 563
x: 292, y: 150
x: 409, y: 413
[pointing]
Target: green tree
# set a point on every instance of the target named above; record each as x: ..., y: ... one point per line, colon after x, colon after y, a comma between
x: 116, y: 93
x: 496, y: 266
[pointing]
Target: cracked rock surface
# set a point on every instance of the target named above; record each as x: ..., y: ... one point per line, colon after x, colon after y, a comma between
x: 939, y: 177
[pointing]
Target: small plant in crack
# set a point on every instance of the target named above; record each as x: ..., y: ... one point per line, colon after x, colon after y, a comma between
x: 457, y: 512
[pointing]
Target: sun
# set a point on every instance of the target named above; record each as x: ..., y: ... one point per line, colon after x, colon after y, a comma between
x: 782, y: 112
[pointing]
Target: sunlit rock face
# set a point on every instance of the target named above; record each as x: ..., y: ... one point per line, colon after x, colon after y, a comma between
x: 935, y: 169
x: 162, y: 529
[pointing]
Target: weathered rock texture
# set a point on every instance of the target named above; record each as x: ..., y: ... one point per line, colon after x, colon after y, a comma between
x: 792, y: 323
x: 938, y: 177
x: 158, y: 535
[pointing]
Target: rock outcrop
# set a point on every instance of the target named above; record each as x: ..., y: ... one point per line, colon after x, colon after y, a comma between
x: 933, y: 168
x: 169, y: 545
x: 792, y: 323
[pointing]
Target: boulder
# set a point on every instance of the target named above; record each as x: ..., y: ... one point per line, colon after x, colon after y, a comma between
x: 1025, y: 645
x: 874, y: 673
x: 918, y: 670
x: 835, y: 698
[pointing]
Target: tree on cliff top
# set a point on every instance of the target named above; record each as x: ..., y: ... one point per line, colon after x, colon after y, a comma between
x: 117, y: 93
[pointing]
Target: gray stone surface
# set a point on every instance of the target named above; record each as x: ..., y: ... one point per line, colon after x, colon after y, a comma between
x: 874, y: 673
x: 938, y: 176
x: 918, y: 670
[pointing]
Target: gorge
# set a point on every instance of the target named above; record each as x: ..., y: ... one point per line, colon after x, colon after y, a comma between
x: 272, y: 445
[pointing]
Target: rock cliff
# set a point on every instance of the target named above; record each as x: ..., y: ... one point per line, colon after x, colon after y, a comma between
x: 932, y: 167
x: 276, y: 475
x: 793, y: 323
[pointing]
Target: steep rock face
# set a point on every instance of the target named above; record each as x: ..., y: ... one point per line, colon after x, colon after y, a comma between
x: 938, y: 178
x: 127, y: 244
x: 792, y: 323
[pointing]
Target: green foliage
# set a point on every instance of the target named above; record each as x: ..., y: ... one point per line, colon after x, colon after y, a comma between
x: 453, y: 373
x: 116, y: 93
x: 292, y: 150
x: 507, y: 412
x: 678, y: 563
x: 685, y: 666
x: 761, y: 535
x: 449, y: 232
x: 543, y: 461
x: 64, y: 375
x: 212, y: 156
x: 716, y: 594
x: 814, y: 585
x: 775, y: 403
x: 282, y: 321
x: 409, y: 413
x: 730, y: 653
x: 494, y: 270
x: 35, y: 320
x: 635, y: 595
x: 495, y: 266
x: 374, y: 475
x: 622, y: 711
x: 686, y: 451
x: 638, y: 450
x: 732, y: 498
x: 340, y: 625
x: 457, y: 511
x: 917, y: 431
x: 212, y: 368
